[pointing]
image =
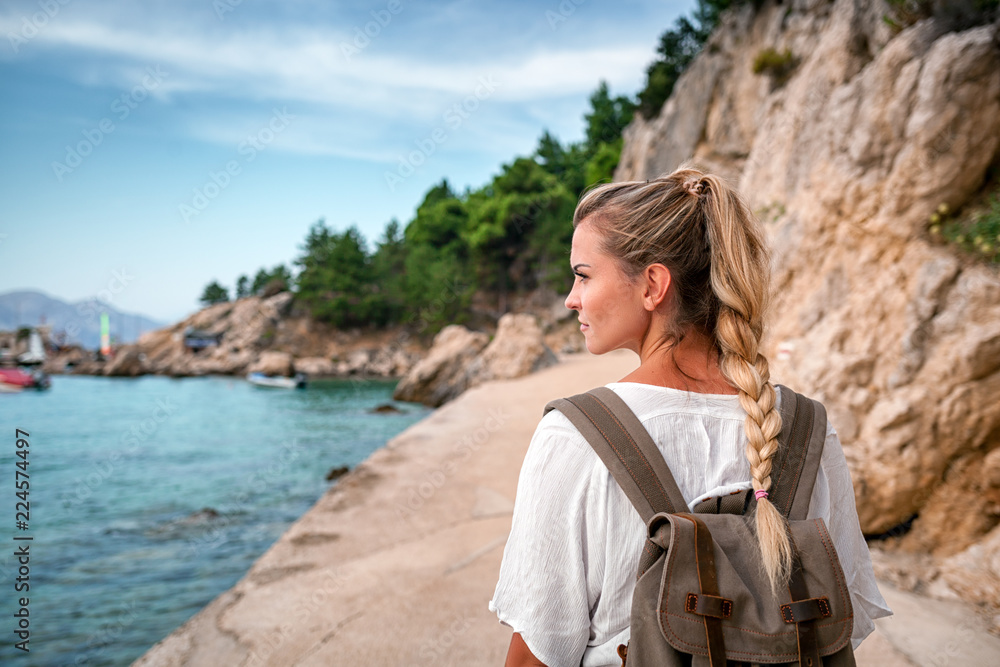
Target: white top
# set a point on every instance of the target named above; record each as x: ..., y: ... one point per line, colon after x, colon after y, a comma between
x: 569, y: 566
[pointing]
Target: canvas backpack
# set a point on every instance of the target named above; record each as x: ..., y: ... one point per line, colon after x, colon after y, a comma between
x: 701, y: 596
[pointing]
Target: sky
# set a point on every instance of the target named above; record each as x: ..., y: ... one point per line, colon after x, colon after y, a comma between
x: 148, y: 148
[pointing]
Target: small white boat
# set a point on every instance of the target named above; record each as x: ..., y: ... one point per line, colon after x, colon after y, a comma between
x: 262, y: 380
x: 36, y: 351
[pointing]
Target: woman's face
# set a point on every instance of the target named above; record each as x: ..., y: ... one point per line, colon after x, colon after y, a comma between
x: 608, y: 304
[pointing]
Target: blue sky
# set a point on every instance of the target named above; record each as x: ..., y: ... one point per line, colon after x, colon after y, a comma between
x: 147, y: 148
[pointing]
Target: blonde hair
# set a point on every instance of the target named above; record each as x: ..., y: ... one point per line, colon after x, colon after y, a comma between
x: 700, y: 228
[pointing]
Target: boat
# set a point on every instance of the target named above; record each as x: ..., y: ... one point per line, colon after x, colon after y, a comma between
x: 25, y: 370
x: 17, y: 379
x: 298, y: 381
x: 36, y: 351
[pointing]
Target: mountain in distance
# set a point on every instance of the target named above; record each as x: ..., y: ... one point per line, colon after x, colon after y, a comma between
x: 80, y: 320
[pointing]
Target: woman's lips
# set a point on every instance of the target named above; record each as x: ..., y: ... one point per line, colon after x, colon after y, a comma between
x: 584, y: 327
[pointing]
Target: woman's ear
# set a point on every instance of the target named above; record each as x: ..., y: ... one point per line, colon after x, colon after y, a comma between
x: 656, y: 282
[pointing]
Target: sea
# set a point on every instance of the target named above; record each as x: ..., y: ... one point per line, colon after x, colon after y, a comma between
x: 148, y: 497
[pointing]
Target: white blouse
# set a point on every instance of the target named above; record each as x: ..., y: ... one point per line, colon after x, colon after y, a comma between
x: 569, y: 565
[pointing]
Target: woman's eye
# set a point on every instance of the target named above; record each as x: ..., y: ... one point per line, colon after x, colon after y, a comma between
x: 579, y: 274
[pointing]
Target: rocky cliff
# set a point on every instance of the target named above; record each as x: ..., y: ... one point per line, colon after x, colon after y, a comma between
x: 258, y: 334
x: 845, y: 158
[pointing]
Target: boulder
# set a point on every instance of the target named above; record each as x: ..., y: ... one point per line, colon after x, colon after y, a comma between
x: 356, y: 363
x: 517, y: 349
x: 273, y: 363
x: 461, y: 359
x: 442, y: 374
x: 389, y: 361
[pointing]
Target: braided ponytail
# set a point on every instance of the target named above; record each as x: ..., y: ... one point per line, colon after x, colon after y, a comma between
x: 740, y: 279
x: 705, y: 234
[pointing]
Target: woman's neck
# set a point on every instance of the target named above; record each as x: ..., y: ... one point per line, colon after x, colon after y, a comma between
x: 690, y: 365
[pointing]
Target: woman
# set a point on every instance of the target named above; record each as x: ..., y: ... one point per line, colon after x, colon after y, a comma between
x: 676, y: 270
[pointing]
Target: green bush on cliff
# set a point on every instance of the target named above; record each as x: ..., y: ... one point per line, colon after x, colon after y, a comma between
x: 976, y: 233
x: 776, y: 64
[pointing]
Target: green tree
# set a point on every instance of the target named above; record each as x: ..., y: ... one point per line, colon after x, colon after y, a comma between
x: 438, y: 285
x: 388, y: 268
x: 214, y: 293
x: 268, y: 283
x: 601, y: 166
x: 607, y: 118
x: 440, y: 219
x: 242, y: 287
x: 551, y: 155
x: 594, y: 159
x: 335, y: 282
x: 516, y: 225
x: 439, y: 288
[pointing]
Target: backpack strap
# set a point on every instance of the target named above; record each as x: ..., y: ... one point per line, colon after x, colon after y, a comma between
x: 803, y: 434
x: 626, y: 448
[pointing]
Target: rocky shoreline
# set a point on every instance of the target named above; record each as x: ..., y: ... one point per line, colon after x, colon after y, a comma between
x: 269, y: 335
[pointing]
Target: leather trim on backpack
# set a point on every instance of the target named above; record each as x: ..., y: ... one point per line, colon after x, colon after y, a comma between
x: 710, y: 605
x: 806, y: 610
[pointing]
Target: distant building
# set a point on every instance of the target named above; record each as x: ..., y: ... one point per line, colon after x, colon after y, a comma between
x: 195, y: 339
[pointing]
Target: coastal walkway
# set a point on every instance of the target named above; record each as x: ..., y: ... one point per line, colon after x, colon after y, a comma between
x: 396, y: 563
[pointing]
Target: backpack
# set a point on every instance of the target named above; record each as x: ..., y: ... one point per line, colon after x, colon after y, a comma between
x: 701, y: 596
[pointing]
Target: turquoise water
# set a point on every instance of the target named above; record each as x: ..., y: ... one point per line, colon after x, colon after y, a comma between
x: 121, y: 472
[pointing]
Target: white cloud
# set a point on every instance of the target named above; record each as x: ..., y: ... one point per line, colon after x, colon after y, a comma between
x: 306, y: 65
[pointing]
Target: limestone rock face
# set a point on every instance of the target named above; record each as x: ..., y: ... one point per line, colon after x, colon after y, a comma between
x: 315, y: 366
x: 517, y: 349
x: 128, y: 362
x: 248, y: 326
x: 443, y: 373
x: 844, y: 163
x: 273, y: 363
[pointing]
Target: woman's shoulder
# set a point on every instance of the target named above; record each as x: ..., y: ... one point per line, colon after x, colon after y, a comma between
x: 557, y: 444
x: 555, y: 431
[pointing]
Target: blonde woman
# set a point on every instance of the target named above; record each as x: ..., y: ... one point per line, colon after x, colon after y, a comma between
x: 675, y: 269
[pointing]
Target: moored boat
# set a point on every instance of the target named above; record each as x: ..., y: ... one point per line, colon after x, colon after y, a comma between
x: 17, y: 379
x: 298, y: 381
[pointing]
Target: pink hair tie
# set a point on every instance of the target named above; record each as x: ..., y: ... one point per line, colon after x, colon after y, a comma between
x: 760, y: 493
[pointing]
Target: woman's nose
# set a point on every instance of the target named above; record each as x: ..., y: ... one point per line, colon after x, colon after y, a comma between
x: 572, y: 302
